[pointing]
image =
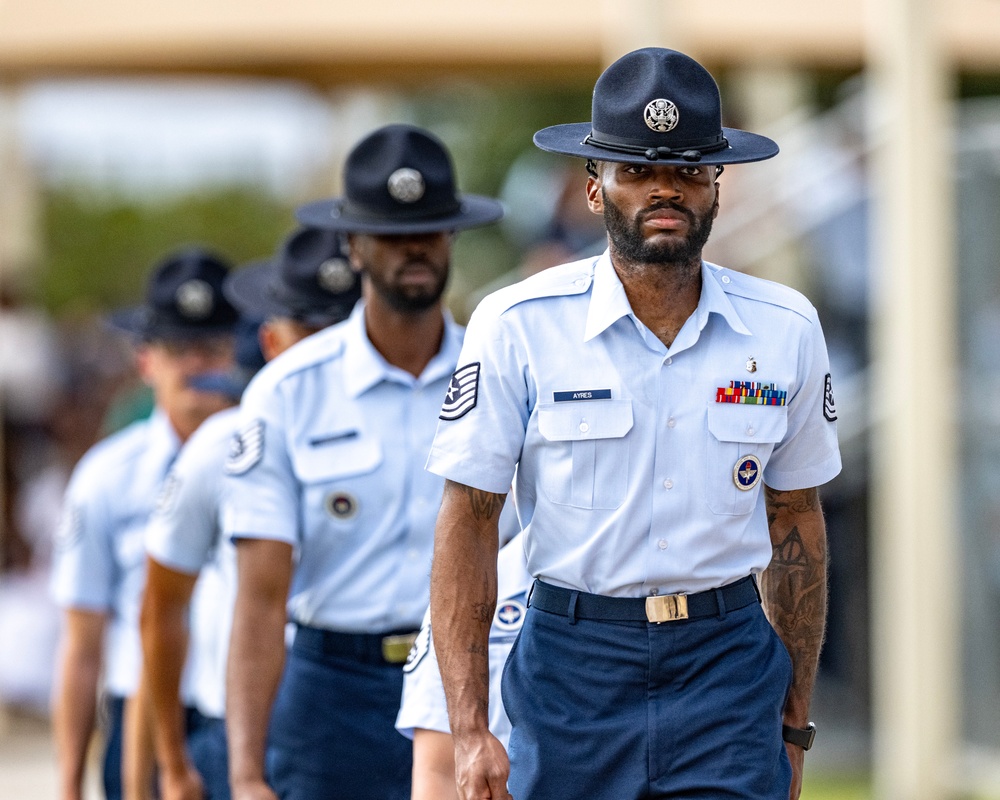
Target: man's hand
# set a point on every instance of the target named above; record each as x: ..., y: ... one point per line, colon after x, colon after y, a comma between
x: 481, y: 767
x: 797, y: 756
x: 181, y: 784
x: 253, y: 790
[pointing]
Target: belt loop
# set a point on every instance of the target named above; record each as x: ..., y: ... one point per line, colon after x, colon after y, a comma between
x: 721, y: 600
x: 571, y: 611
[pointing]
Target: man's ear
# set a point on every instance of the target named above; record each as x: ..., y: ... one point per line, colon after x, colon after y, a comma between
x: 715, y: 206
x: 352, y: 258
x: 595, y: 200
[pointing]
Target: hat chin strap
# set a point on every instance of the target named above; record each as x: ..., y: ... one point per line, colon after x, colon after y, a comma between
x: 690, y: 152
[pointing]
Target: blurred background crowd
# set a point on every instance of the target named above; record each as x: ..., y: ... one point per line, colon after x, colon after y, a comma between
x: 102, y: 173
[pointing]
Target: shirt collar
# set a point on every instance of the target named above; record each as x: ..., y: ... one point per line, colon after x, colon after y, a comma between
x: 364, y: 366
x: 162, y: 446
x: 609, y: 303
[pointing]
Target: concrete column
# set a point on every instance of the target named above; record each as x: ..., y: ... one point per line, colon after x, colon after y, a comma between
x: 915, y: 364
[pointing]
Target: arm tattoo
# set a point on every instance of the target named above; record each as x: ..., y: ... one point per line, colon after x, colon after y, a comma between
x: 484, y: 505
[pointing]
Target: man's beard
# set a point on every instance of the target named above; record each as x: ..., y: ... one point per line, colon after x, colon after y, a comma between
x: 629, y: 244
x: 409, y: 299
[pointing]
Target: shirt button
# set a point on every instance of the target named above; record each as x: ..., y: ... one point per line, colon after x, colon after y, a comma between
x: 750, y: 430
x: 412, y: 554
x: 584, y: 427
x: 671, y: 422
x: 669, y: 361
x: 668, y: 484
x: 662, y: 544
x: 726, y: 279
x: 580, y: 282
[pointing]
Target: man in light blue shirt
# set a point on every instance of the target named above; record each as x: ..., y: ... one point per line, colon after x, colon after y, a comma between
x: 184, y: 329
x: 307, y: 286
x: 666, y: 423
x: 327, y: 499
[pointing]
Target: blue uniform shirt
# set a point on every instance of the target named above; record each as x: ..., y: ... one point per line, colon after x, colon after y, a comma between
x: 632, y: 479
x: 330, y: 459
x: 100, y: 562
x: 184, y: 534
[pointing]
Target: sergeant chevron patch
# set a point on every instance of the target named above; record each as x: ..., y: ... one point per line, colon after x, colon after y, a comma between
x: 463, y: 392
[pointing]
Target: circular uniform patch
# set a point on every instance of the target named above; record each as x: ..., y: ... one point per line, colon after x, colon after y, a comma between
x: 406, y: 185
x: 661, y: 115
x: 746, y: 473
x: 341, y: 505
x: 509, y: 616
x: 194, y: 299
x: 421, y: 646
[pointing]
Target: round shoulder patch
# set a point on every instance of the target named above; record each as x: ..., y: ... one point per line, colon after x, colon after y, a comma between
x: 246, y: 448
x: 421, y: 647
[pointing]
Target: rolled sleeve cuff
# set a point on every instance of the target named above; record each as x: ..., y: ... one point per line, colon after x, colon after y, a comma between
x: 479, y: 473
x: 804, y: 477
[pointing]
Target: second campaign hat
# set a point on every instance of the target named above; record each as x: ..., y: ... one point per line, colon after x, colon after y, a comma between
x: 398, y: 180
x: 183, y: 299
x: 656, y: 106
x: 309, y: 280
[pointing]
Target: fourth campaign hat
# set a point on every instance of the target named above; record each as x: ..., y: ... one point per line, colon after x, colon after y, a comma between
x: 398, y: 180
x: 656, y: 106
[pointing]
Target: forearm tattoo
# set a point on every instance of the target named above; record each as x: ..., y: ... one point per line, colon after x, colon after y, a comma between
x: 484, y: 505
x: 794, y: 584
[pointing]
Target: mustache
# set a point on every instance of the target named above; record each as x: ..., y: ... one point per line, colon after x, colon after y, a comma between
x: 665, y: 205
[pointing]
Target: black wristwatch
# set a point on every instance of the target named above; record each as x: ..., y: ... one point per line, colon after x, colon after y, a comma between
x: 802, y: 737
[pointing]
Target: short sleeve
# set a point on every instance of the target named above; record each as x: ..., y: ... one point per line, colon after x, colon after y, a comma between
x: 485, y: 412
x: 423, y: 704
x: 85, y: 571
x: 184, y: 528
x: 260, y: 495
x: 809, y: 454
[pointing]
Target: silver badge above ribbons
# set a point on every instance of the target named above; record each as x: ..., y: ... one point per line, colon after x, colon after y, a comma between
x: 335, y: 275
x: 194, y: 299
x: 406, y: 185
x: 661, y: 115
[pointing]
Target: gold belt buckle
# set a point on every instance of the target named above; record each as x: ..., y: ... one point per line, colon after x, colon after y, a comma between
x: 396, y: 648
x: 666, y: 607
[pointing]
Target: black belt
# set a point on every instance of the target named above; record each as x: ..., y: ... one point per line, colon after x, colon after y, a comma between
x: 370, y: 648
x: 658, y: 608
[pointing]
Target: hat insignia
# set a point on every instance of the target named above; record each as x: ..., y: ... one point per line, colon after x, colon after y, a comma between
x: 406, y: 185
x: 661, y: 115
x: 335, y: 275
x: 194, y: 299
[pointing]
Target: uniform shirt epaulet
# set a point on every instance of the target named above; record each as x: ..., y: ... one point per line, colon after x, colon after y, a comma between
x: 113, y: 454
x: 563, y: 280
x: 763, y: 291
x: 321, y: 347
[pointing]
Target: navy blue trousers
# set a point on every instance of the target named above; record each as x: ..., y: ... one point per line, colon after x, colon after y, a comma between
x: 206, y: 742
x: 332, y: 733
x: 634, y: 710
x: 114, y: 710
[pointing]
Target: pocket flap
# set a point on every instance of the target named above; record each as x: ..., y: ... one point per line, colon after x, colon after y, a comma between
x: 588, y: 419
x: 328, y: 458
x: 731, y: 422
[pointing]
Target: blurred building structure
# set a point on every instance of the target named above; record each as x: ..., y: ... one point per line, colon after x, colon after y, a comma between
x: 804, y: 219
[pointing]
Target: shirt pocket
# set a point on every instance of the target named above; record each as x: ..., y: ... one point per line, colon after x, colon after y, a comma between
x: 339, y: 477
x: 584, y: 462
x: 735, y: 433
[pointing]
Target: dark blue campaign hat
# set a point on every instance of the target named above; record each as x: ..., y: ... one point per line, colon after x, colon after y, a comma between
x: 399, y: 180
x: 309, y: 280
x: 656, y: 106
x: 184, y: 299
x: 248, y: 360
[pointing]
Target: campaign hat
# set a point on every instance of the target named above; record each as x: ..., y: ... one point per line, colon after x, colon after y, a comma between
x: 400, y: 180
x: 656, y: 106
x: 309, y: 280
x: 184, y: 299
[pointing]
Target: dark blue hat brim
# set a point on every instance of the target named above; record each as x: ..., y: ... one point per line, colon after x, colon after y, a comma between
x: 136, y: 322
x: 250, y: 290
x: 474, y: 210
x: 567, y: 140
